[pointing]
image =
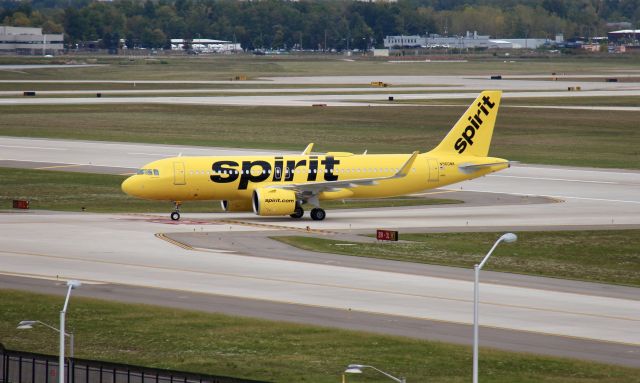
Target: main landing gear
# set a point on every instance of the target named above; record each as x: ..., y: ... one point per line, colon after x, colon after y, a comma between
x: 175, y: 215
x: 318, y: 214
x: 298, y: 213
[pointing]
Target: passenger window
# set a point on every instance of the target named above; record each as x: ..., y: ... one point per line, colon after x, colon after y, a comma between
x: 148, y: 172
x: 156, y: 172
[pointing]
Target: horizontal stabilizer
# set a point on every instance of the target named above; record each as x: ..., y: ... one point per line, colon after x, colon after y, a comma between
x: 468, y: 168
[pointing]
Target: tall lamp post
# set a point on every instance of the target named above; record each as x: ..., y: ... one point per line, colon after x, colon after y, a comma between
x: 28, y: 324
x: 357, y: 369
x: 507, y: 238
x: 71, y: 285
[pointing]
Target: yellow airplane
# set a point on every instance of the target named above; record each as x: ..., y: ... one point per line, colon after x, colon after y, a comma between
x: 280, y: 185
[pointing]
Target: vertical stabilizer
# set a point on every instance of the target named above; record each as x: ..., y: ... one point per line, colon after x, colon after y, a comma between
x: 471, y: 135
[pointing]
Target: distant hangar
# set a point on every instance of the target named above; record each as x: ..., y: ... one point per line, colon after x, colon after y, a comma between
x: 469, y: 41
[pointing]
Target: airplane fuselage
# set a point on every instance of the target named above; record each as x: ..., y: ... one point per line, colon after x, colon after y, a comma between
x: 235, y: 178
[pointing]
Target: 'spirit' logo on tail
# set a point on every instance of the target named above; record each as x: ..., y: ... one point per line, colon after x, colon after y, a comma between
x: 475, y: 124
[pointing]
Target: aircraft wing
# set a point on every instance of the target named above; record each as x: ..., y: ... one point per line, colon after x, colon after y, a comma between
x: 315, y: 188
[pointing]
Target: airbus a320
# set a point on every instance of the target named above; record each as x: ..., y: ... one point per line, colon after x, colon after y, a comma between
x: 283, y: 185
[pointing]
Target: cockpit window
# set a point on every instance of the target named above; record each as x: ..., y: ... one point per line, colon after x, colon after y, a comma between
x: 148, y: 172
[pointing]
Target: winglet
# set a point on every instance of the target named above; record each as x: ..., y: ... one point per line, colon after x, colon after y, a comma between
x: 307, y: 150
x: 404, y: 170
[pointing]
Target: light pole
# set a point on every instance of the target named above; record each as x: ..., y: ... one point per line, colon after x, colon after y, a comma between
x: 507, y: 238
x: 72, y: 285
x: 357, y: 369
x: 28, y: 324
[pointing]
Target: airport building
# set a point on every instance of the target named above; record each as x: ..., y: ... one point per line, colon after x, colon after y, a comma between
x: 624, y: 36
x: 469, y: 41
x: 29, y: 41
x: 205, y: 45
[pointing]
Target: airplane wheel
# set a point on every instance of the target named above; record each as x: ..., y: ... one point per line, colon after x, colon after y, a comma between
x: 318, y: 214
x: 175, y: 216
x: 298, y: 213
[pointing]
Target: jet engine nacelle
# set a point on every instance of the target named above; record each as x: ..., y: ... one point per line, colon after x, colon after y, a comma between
x: 273, y: 201
x: 236, y: 205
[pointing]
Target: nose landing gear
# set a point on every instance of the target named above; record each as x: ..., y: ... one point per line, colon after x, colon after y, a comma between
x: 175, y: 215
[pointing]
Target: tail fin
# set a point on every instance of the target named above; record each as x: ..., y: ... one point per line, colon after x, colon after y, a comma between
x: 471, y: 135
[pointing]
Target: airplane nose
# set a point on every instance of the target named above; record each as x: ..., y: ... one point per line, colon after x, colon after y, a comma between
x: 128, y: 186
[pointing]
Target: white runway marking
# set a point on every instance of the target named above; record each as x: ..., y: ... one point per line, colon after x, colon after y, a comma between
x: 554, y: 179
x: 30, y: 147
x: 149, y: 154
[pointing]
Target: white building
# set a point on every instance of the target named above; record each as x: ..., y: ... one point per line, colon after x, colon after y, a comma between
x: 205, y: 45
x: 470, y: 40
x: 29, y: 41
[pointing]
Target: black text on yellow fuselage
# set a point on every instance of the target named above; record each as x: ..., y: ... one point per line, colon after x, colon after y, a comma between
x: 226, y: 171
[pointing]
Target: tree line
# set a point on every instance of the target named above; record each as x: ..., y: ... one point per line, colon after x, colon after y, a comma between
x: 310, y: 24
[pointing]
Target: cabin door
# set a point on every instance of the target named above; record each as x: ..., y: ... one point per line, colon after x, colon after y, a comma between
x: 178, y: 173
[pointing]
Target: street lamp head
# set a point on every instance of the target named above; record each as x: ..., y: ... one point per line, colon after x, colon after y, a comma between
x: 353, y: 370
x: 26, y: 324
x: 509, y: 238
x: 74, y: 284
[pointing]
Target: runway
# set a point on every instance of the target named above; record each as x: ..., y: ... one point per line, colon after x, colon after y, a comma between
x: 402, y: 88
x: 309, y: 100
x: 122, y: 249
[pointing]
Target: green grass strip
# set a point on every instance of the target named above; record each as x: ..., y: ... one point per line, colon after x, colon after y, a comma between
x: 275, y: 351
x: 607, y: 256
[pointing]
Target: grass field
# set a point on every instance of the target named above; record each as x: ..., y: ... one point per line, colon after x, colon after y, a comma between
x: 226, y: 67
x: 565, y: 137
x: 273, y: 351
x: 609, y: 256
x: 68, y: 191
